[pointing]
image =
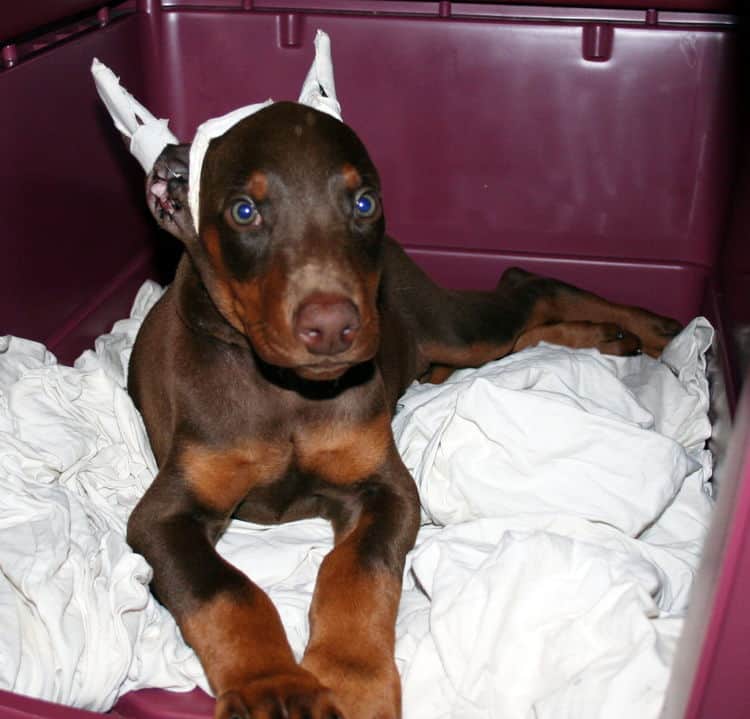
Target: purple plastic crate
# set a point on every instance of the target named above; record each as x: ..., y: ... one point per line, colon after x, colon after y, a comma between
x: 598, y: 144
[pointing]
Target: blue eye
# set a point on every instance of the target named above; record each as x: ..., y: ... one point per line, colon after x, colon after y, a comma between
x: 365, y: 204
x: 244, y: 212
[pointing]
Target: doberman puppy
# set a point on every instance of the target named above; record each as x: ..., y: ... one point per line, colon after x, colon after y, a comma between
x: 267, y: 376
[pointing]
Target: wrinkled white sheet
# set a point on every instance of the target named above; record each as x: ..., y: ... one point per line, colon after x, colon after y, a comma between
x: 565, y: 498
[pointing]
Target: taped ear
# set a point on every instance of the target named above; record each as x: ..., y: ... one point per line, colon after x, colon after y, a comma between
x: 148, y: 135
x: 319, y: 89
x: 167, y: 188
x: 173, y: 201
x: 164, y: 160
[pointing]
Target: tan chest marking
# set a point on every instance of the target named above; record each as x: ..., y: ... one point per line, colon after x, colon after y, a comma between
x: 341, y: 452
x: 221, y: 478
x: 336, y: 452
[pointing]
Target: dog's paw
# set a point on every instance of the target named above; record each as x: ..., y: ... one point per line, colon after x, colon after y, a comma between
x: 365, y: 689
x: 660, y: 333
x: 292, y: 696
x: 655, y: 331
x: 607, y: 337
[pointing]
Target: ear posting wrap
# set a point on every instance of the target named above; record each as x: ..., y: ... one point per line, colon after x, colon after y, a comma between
x: 215, y: 127
x: 318, y: 91
x: 150, y: 136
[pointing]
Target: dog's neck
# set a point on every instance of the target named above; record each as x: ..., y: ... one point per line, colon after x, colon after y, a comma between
x: 356, y: 376
x: 196, y: 308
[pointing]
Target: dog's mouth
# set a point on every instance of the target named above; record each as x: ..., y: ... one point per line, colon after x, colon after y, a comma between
x: 320, y: 381
x: 323, y: 371
x: 278, y: 349
x: 276, y: 360
x: 319, y: 343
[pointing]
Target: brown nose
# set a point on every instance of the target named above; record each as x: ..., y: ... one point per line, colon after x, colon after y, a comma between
x: 327, y: 324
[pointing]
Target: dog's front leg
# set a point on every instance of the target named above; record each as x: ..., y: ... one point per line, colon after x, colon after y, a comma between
x: 229, y: 621
x: 354, y: 607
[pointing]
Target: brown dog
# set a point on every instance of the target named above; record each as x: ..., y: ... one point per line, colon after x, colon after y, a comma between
x: 267, y: 375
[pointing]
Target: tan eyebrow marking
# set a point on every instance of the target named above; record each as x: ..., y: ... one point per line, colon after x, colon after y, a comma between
x: 257, y: 186
x: 352, y: 179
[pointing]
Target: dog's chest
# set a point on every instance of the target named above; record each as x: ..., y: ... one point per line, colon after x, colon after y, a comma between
x: 341, y: 451
x: 283, y: 474
x: 318, y: 466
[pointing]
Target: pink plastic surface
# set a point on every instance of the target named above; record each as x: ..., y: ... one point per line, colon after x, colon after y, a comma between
x: 619, y: 157
x: 709, y: 678
x: 20, y: 18
x: 71, y: 195
x: 598, y: 145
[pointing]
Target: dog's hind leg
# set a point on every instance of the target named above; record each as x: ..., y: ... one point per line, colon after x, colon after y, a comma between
x: 607, y: 337
x: 454, y: 329
x: 565, y: 314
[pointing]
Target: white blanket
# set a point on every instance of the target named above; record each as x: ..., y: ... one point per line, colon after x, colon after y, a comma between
x: 565, y: 499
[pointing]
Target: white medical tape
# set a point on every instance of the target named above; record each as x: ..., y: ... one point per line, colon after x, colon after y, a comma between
x: 149, y: 136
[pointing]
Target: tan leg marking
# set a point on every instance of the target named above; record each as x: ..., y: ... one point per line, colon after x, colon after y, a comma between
x: 353, y: 619
x: 237, y: 640
x: 654, y: 331
x: 608, y: 337
x: 249, y: 664
x: 470, y: 355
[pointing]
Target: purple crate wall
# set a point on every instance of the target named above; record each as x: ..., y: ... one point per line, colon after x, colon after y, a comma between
x: 76, y: 237
x: 735, y: 263
x: 499, y: 136
x: 614, y: 164
x: 596, y: 145
x: 709, y: 676
x: 21, y: 18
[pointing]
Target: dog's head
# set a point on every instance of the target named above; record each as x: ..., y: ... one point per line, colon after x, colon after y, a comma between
x: 291, y: 231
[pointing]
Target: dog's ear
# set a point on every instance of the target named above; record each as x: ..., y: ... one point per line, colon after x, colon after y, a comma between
x: 167, y: 192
